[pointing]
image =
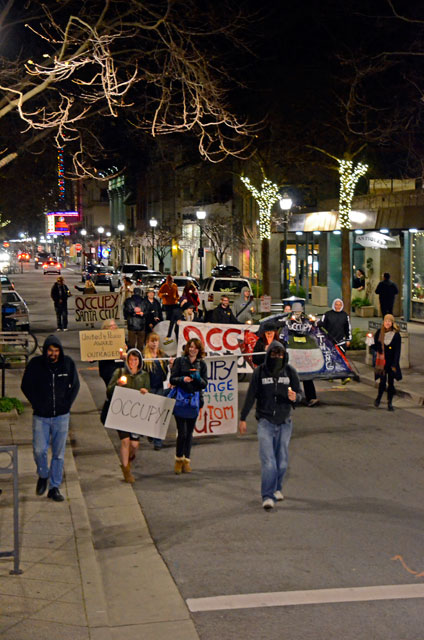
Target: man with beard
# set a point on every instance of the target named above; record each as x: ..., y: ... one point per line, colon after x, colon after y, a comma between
x: 276, y: 388
x: 50, y: 383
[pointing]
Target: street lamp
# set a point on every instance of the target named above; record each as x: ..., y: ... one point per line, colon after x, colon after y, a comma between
x: 121, y: 228
x: 201, y: 215
x: 83, y: 232
x: 100, y: 230
x: 153, y: 224
x: 285, y: 204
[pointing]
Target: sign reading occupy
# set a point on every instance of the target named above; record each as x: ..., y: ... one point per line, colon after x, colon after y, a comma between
x: 97, y: 307
x: 101, y: 345
x: 145, y: 413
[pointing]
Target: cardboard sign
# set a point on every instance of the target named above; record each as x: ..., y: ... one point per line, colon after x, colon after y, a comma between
x: 265, y: 304
x: 97, y: 307
x: 147, y: 414
x: 101, y: 345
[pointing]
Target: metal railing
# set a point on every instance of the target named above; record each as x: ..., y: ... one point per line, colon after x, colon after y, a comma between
x: 12, y: 467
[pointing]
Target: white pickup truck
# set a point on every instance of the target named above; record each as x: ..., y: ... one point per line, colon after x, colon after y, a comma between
x: 213, y: 288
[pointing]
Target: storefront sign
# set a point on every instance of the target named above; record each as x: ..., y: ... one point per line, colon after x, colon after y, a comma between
x: 92, y: 308
x: 375, y: 240
x: 101, y: 345
x: 145, y: 413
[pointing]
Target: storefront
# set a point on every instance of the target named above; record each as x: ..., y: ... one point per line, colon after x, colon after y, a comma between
x: 417, y: 276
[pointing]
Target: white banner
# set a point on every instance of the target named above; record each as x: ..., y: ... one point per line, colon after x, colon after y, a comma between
x: 145, y: 413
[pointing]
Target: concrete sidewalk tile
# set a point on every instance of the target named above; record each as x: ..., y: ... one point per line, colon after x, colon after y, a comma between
x: 92, y: 586
x: 41, y: 630
x: 20, y: 606
x: 175, y: 629
x: 43, y: 541
x: 72, y: 613
x: 54, y: 573
x: 25, y: 587
x: 7, y: 622
x: 72, y: 595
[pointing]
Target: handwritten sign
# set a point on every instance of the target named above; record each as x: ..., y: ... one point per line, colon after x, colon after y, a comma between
x: 92, y: 308
x: 147, y: 414
x: 265, y: 304
x: 101, y: 345
x: 219, y: 413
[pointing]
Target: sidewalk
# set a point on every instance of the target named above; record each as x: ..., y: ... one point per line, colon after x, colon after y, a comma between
x: 90, y: 567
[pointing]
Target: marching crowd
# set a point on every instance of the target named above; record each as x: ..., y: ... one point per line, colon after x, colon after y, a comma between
x: 51, y: 384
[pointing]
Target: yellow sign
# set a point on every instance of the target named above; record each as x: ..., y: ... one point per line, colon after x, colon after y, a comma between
x: 104, y: 344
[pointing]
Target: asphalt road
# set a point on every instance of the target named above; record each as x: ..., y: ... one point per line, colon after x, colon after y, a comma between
x: 352, y: 517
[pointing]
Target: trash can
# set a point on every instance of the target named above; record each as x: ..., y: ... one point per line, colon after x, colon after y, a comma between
x: 292, y: 300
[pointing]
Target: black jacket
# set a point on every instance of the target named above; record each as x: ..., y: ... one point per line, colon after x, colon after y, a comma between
x: 50, y: 388
x: 182, y: 367
x: 386, y: 291
x: 224, y: 316
x: 391, y: 352
x: 60, y: 294
x: 135, y: 322
x: 271, y: 393
x: 152, y: 310
x: 337, y: 325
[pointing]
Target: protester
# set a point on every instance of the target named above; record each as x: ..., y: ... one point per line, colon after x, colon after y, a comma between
x: 190, y: 298
x: 60, y: 294
x: 266, y: 336
x: 178, y: 315
x: 50, y: 383
x: 88, y: 287
x: 134, y: 315
x: 387, y: 342
x: 152, y: 310
x: 276, y: 388
x: 133, y: 377
x: 222, y: 314
x: 337, y: 324
x: 169, y: 295
x: 244, y: 308
x: 107, y: 367
x: 157, y: 367
x: 386, y: 291
x: 189, y: 374
x: 126, y: 290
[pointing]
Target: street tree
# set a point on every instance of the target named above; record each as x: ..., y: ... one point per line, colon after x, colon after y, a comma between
x: 222, y: 233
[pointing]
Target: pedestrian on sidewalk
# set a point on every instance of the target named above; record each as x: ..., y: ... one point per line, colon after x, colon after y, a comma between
x: 50, y: 383
x: 132, y: 377
x: 60, y: 294
x: 386, y: 291
x: 136, y: 323
x: 387, y: 342
x: 276, y: 388
x: 189, y: 374
x: 157, y: 367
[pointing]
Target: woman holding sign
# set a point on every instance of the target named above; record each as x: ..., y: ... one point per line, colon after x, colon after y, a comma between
x: 132, y: 377
x: 189, y: 376
x: 157, y: 368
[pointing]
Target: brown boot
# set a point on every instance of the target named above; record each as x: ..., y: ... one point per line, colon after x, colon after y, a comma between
x: 186, y: 465
x: 128, y: 476
x: 178, y: 465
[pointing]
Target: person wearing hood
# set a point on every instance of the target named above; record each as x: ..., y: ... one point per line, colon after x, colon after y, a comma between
x: 132, y: 377
x: 50, y: 383
x: 136, y: 323
x: 244, y: 308
x: 337, y: 324
x: 276, y: 388
x: 268, y: 334
x: 386, y: 291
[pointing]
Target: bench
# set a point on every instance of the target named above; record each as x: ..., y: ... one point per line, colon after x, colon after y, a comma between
x: 13, y: 344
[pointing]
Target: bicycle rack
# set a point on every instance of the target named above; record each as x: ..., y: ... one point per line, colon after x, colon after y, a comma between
x: 12, y: 467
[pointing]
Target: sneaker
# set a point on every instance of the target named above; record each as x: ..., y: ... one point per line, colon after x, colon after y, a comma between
x: 278, y: 496
x: 41, y: 486
x: 268, y: 504
x: 66, y: 329
x: 313, y: 403
x: 346, y: 380
x: 58, y: 329
x: 168, y: 341
x: 54, y: 494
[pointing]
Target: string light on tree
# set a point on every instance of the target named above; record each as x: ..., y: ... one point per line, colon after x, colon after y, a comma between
x: 265, y: 198
x: 61, y: 173
x: 349, y: 176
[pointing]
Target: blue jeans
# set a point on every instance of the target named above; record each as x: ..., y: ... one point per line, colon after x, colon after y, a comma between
x: 44, y: 431
x: 274, y: 454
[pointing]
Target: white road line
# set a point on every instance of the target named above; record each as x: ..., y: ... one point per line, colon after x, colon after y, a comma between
x: 318, y: 596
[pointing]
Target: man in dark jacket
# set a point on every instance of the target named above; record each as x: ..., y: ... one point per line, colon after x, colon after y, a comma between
x: 276, y: 388
x: 136, y: 323
x: 222, y: 314
x: 152, y: 310
x: 50, y: 383
x: 386, y: 291
x: 60, y: 294
x: 337, y: 324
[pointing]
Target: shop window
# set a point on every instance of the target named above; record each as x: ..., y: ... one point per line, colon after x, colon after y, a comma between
x: 417, y: 280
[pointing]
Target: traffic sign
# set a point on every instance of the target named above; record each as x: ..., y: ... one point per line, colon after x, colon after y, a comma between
x: 78, y: 246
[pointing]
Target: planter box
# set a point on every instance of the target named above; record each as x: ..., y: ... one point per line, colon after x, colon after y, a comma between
x: 365, y: 312
x: 319, y: 296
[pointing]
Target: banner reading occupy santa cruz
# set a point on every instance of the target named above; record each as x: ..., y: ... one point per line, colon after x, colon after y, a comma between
x: 97, y: 307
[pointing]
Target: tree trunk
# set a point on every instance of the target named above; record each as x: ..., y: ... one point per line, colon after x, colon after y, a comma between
x: 346, y: 275
x: 265, y: 266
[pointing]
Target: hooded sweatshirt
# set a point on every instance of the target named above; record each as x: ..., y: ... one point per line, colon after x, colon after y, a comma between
x: 50, y: 387
x: 337, y: 323
x: 269, y: 387
x: 243, y: 309
x: 138, y: 380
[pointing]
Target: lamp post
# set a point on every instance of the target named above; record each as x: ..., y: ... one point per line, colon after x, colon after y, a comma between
x: 201, y: 215
x: 121, y: 228
x: 100, y: 230
x: 285, y: 204
x: 83, y: 232
x: 153, y: 224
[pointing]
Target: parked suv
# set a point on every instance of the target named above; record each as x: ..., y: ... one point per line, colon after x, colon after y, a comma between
x: 128, y: 269
x: 214, y: 288
x: 108, y: 276
x: 146, y: 279
x: 226, y: 270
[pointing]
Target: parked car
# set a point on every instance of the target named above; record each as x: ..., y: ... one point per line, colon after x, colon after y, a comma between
x: 146, y: 279
x: 14, y: 308
x: 51, y: 266
x: 214, y: 288
x: 6, y: 284
x: 128, y: 269
x: 107, y: 276
x: 226, y: 270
